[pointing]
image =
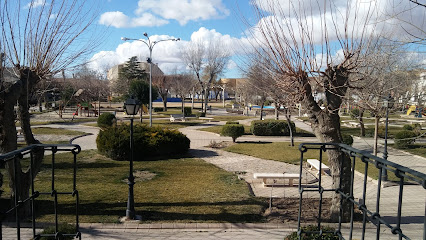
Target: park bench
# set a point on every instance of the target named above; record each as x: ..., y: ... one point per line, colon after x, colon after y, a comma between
x: 206, y: 118
x: 266, y: 176
x: 314, y: 163
x: 177, y: 117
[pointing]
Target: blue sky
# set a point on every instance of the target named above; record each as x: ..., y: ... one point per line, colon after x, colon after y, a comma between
x: 219, y: 20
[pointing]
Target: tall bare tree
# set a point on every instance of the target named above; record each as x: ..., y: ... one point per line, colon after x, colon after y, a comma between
x: 315, y: 43
x: 207, y: 62
x: 182, y: 85
x: 38, y: 39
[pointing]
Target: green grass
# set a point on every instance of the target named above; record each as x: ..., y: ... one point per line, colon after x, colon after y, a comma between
x: 277, y: 151
x: 416, y: 149
x: 56, y: 131
x: 183, y: 190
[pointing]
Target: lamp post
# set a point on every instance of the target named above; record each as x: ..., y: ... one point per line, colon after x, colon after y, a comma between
x: 388, y: 103
x: 131, y: 107
x: 150, y: 44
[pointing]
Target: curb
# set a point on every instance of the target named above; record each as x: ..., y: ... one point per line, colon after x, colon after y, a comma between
x: 84, y: 135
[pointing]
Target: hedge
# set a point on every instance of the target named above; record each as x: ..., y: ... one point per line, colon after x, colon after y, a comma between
x: 149, y: 142
x: 404, y: 138
x: 187, y: 111
x: 347, y: 139
x: 232, y: 122
x: 232, y: 130
x: 106, y: 120
x: 271, y: 128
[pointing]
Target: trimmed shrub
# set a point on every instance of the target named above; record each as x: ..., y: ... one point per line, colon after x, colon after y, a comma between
x: 313, y: 236
x: 187, y: 111
x: 347, y: 139
x: 232, y: 130
x: 271, y: 128
x: 408, y: 127
x: 232, y: 122
x: 106, y: 120
x: 149, y: 142
x: 404, y: 138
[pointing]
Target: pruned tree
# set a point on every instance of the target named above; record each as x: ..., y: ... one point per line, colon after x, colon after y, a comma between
x: 311, y: 43
x: 182, y: 85
x: 163, y: 84
x: 207, y: 62
x: 38, y: 39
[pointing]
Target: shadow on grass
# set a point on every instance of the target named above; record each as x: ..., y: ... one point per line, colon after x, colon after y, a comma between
x: 45, y: 207
x: 198, y: 153
x: 82, y: 165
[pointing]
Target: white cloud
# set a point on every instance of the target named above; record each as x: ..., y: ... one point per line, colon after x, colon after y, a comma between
x: 184, y: 10
x: 35, y: 4
x: 115, y: 19
x: 152, y: 13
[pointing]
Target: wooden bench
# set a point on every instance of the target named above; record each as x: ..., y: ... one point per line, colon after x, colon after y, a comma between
x: 177, y: 117
x: 266, y: 176
x: 314, y: 163
x: 206, y: 118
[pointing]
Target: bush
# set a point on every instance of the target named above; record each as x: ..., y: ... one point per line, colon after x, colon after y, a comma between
x: 271, y: 128
x: 417, y: 128
x: 313, y: 236
x: 62, y: 228
x: 149, y: 142
x: 158, y: 109
x: 355, y: 113
x: 232, y: 122
x: 187, y: 111
x: 404, y: 138
x: 200, y: 114
x: 106, y: 120
x: 232, y: 130
x: 408, y: 127
x: 347, y: 139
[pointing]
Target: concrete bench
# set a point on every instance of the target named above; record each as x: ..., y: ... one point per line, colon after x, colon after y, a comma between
x: 177, y: 117
x: 314, y: 163
x: 206, y: 118
x: 266, y: 176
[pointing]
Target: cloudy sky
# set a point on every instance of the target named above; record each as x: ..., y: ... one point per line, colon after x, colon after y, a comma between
x: 194, y: 20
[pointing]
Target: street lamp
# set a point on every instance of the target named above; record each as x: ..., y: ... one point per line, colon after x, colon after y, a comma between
x: 388, y: 103
x: 131, y: 106
x: 150, y: 44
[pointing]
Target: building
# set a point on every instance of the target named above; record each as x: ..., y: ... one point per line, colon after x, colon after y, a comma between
x: 231, y: 85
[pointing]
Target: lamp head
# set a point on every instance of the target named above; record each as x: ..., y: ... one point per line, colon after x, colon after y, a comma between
x: 177, y: 39
x: 145, y: 34
x: 124, y: 38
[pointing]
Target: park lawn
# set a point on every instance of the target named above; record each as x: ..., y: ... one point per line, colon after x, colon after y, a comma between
x: 416, y: 149
x: 277, y: 151
x: 56, y: 131
x: 183, y: 190
x: 228, y: 117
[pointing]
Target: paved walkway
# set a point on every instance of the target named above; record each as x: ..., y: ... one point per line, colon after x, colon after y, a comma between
x: 245, y: 166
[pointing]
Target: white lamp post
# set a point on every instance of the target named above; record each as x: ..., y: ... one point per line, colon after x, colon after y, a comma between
x: 131, y: 106
x: 150, y: 44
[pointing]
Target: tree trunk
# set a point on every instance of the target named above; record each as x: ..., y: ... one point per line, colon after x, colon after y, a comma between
x: 376, y: 134
x: 325, y: 124
x: 261, y: 110
x: 19, y: 91
x: 361, y: 122
x: 206, y: 100
x: 290, y: 130
x: 183, y: 107
x: 165, y: 104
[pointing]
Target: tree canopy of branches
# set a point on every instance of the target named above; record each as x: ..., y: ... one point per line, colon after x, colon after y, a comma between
x: 182, y: 85
x: 207, y: 62
x: 38, y: 39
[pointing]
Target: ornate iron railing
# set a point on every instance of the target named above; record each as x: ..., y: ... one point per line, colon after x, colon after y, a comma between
x: 28, y: 153
x: 363, y: 160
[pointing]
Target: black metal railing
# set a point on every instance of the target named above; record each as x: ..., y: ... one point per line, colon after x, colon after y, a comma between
x: 366, y: 164
x: 28, y: 153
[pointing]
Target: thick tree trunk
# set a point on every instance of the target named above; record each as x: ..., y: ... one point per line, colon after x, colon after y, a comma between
x: 325, y: 124
x: 165, y: 104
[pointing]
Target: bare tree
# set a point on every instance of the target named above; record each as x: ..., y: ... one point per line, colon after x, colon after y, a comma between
x: 163, y: 84
x: 182, y: 85
x: 323, y: 50
x: 207, y: 63
x: 38, y: 40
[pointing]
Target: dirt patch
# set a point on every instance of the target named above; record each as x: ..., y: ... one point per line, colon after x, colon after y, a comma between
x: 141, y: 176
x: 287, y: 209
